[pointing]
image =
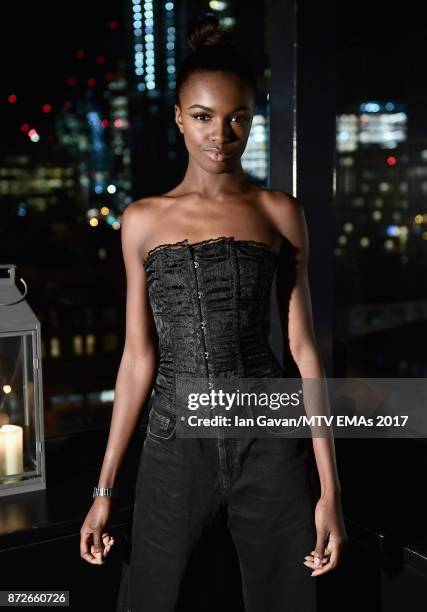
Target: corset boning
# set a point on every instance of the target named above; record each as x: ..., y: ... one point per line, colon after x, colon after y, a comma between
x: 211, y: 306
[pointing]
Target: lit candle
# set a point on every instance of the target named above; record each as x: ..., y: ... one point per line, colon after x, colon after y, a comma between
x: 4, y: 418
x: 11, y: 454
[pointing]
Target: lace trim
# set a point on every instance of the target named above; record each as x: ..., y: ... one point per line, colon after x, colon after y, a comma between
x: 185, y: 242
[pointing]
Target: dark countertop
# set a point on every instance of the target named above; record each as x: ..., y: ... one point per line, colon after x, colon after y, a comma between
x: 73, y: 465
x: 382, y: 491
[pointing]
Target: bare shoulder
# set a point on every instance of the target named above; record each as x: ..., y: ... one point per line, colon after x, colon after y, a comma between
x: 286, y: 214
x: 280, y: 203
x: 140, y: 211
x: 140, y: 216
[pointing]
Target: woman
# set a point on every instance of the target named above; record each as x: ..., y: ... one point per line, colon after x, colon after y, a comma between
x: 199, y: 263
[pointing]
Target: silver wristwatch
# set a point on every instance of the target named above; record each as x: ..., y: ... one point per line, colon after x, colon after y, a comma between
x: 105, y: 492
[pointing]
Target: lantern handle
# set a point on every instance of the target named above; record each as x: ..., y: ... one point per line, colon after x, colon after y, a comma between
x: 22, y: 295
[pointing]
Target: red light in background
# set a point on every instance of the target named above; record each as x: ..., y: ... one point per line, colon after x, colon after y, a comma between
x: 67, y: 104
x: 392, y: 161
x: 100, y: 59
x: 24, y: 127
x: 91, y: 82
x: 114, y: 24
x: 12, y: 99
x: 105, y: 123
x: 118, y: 123
x: 46, y: 108
x: 109, y: 76
x: 71, y: 81
x: 32, y: 132
x: 80, y: 54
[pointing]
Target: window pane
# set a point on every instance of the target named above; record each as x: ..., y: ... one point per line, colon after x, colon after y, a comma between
x: 381, y: 178
x: 88, y: 127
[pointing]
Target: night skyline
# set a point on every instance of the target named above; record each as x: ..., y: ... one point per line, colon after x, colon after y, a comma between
x: 43, y: 56
x: 373, y: 58
x: 63, y: 195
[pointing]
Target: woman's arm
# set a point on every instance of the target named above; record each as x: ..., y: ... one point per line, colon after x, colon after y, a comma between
x: 138, y: 364
x: 295, y: 308
x: 301, y: 335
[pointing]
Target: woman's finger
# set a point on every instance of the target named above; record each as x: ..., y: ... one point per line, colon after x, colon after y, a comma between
x: 108, y: 546
x: 311, y: 559
x: 98, y: 546
x: 326, y: 552
x: 86, y: 547
x: 333, y: 560
x: 108, y: 543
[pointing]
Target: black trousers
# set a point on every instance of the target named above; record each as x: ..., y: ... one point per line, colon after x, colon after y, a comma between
x: 266, y: 487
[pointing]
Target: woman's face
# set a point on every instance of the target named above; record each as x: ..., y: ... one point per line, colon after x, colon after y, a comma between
x: 215, y: 115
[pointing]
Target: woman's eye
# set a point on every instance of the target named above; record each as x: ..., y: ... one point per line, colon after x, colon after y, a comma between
x: 240, y: 118
x: 203, y: 116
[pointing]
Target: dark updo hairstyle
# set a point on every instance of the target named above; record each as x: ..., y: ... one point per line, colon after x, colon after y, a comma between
x: 211, y: 50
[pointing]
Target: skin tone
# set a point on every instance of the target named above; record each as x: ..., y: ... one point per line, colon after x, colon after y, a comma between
x: 204, y: 124
x: 215, y: 198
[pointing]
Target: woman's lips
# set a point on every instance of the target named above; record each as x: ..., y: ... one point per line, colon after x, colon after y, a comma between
x: 216, y: 155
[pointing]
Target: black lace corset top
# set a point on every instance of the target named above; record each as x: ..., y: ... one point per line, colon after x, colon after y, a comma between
x: 211, y: 306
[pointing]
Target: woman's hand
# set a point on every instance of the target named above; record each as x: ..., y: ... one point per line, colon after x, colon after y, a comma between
x: 95, y: 540
x: 331, y: 535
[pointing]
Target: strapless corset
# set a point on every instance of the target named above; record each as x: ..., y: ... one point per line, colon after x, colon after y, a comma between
x: 211, y: 306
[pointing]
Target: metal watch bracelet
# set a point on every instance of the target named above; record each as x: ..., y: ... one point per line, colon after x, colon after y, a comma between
x: 105, y: 492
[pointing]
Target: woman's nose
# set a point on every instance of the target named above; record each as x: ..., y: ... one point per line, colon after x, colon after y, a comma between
x: 220, y: 132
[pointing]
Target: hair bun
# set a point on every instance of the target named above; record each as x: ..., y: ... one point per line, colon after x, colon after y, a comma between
x: 206, y: 31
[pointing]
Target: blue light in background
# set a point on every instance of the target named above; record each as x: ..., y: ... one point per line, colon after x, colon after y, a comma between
x: 392, y: 230
x: 22, y: 209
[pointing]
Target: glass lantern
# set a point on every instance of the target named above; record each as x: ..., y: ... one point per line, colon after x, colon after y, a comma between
x: 22, y: 459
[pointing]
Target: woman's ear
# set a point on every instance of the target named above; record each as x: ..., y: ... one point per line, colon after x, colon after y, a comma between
x: 178, y: 118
